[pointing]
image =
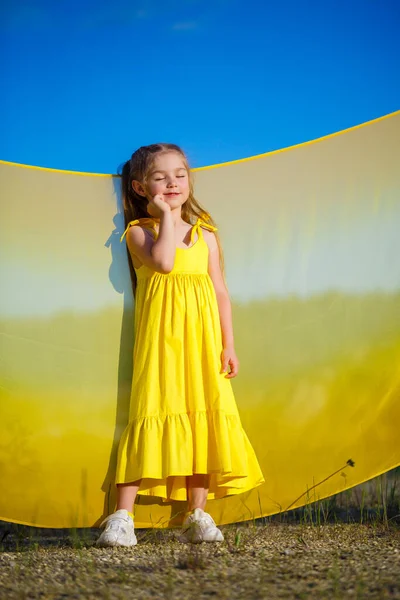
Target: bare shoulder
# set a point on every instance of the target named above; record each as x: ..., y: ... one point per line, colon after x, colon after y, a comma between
x: 139, y: 241
x: 210, y: 239
x: 137, y: 236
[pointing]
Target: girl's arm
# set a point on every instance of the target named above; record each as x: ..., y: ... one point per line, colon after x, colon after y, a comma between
x: 228, y: 357
x: 159, y: 255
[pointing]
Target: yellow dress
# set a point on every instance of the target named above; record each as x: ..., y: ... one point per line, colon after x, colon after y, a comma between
x: 183, y: 414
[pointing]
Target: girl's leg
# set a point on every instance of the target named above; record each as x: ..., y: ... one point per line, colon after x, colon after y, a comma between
x: 126, y: 494
x: 199, y: 527
x: 119, y: 529
x: 197, y: 487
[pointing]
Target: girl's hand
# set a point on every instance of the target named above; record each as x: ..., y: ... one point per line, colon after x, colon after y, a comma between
x: 158, y: 204
x: 229, y: 359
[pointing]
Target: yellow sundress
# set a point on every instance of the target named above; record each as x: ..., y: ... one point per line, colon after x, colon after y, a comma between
x: 183, y: 414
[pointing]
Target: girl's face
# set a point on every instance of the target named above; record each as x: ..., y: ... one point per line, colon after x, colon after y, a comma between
x: 169, y: 177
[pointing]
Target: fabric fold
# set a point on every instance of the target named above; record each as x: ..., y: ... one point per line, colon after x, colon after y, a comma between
x: 162, y: 452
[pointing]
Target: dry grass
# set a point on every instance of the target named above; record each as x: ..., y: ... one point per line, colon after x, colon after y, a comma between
x: 300, y: 555
x: 276, y: 560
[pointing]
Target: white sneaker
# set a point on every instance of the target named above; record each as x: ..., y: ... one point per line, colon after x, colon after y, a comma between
x: 200, y: 527
x: 119, y: 530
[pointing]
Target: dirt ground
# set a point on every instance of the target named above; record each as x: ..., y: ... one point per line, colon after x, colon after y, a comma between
x: 256, y: 561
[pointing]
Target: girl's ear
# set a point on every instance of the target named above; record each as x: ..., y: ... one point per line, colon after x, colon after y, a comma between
x: 139, y: 189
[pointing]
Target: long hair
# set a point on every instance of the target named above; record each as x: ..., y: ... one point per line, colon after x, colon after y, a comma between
x: 135, y: 205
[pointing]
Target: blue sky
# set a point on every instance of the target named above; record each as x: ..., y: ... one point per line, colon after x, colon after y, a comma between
x: 84, y: 84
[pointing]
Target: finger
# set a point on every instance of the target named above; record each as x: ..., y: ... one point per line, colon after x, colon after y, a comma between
x: 228, y: 369
x: 224, y: 366
x: 234, y: 365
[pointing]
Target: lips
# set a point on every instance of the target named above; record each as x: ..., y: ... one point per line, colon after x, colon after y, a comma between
x: 172, y: 194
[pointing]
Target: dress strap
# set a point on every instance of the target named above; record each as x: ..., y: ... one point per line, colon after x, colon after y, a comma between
x: 197, y: 229
x: 149, y: 223
x: 145, y: 222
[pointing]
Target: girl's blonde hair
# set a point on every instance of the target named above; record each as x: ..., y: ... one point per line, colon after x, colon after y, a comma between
x: 135, y: 206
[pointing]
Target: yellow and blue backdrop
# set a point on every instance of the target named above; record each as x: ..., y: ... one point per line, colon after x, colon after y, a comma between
x: 310, y: 235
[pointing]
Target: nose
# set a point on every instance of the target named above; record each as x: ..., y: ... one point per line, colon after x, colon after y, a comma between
x: 171, y: 183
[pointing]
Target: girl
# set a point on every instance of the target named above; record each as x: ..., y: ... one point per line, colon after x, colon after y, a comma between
x: 184, y: 440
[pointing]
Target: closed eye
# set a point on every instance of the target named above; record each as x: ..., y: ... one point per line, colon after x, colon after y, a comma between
x: 161, y: 178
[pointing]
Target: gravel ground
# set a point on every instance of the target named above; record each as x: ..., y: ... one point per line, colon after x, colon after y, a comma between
x: 273, y: 560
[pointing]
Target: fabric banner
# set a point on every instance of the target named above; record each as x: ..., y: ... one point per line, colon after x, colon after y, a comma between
x: 311, y: 243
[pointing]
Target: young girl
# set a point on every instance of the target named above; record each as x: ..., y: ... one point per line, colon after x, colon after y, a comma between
x: 184, y: 440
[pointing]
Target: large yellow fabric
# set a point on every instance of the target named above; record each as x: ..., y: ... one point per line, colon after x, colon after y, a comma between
x: 311, y: 243
x: 183, y: 416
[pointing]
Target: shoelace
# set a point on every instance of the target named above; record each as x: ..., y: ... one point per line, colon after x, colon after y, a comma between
x: 112, y: 520
x: 209, y: 520
x: 206, y: 520
x: 116, y: 526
